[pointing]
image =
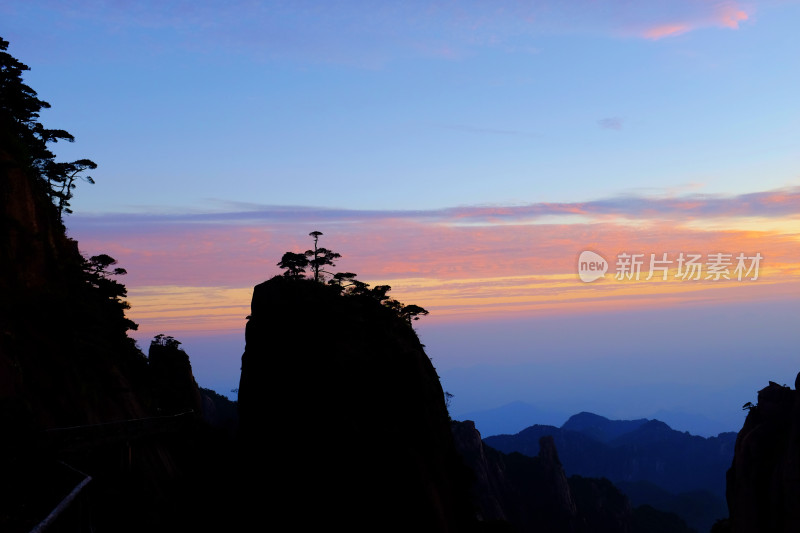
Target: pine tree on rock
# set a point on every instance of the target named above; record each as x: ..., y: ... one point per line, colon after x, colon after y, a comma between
x: 320, y: 257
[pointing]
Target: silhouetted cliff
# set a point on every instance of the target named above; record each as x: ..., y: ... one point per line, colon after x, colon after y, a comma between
x: 65, y: 361
x: 65, y: 358
x: 64, y: 355
x: 342, y: 412
x: 171, y: 380
x: 220, y: 412
x: 77, y: 396
x: 764, y: 479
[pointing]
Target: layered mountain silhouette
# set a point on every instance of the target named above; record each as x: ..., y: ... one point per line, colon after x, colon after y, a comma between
x: 652, y: 463
x: 534, y: 494
x: 511, y: 418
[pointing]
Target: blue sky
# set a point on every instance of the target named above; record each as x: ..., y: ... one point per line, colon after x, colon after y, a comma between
x: 419, y: 105
x: 414, y: 133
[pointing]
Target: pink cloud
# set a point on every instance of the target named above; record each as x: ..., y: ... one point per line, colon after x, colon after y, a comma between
x: 679, y: 17
x: 666, y: 30
x: 242, y: 255
x: 228, y: 248
x: 197, y: 271
x: 729, y: 15
x: 453, y: 272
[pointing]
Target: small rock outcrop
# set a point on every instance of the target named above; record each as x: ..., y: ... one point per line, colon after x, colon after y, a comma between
x: 171, y: 380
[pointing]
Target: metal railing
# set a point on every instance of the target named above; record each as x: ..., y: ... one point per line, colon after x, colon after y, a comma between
x: 64, y: 504
x: 76, y: 438
x: 88, y: 437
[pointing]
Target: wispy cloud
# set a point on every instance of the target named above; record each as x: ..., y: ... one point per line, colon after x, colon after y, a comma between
x: 610, y: 123
x: 768, y: 204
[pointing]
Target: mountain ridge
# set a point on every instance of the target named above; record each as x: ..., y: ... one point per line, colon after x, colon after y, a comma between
x: 513, y: 417
x: 632, y: 451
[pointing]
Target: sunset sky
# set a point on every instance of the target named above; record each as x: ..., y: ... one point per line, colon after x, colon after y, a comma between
x: 464, y: 153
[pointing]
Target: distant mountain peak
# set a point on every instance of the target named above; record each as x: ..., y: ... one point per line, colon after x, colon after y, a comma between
x: 653, y: 424
x: 584, y: 417
x: 601, y: 428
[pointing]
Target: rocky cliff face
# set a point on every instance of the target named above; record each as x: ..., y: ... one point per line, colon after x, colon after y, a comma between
x: 764, y: 479
x: 34, y: 247
x: 65, y: 360
x: 74, y: 388
x: 342, y: 412
x: 61, y: 361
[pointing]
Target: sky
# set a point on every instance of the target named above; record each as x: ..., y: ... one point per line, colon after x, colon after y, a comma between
x: 465, y: 153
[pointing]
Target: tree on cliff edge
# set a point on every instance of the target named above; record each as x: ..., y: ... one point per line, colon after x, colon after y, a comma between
x: 24, y: 139
x: 295, y: 265
x: 24, y: 147
x: 320, y: 257
x: 344, y: 282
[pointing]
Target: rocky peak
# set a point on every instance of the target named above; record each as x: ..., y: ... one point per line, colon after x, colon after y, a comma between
x: 548, y: 452
x: 342, y: 411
